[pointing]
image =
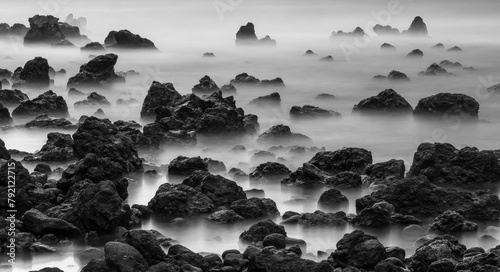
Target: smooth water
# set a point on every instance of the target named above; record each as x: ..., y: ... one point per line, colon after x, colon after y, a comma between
x: 184, y: 30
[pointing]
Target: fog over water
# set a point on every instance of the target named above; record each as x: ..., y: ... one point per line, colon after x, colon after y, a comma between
x: 184, y: 30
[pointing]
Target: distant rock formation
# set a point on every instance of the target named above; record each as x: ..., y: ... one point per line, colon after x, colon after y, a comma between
x: 385, y: 30
x: 246, y: 36
x: 387, y: 47
x: 357, y: 32
x: 95, y: 72
x: 417, y: 28
x: 44, y: 29
x: 416, y: 53
x: 15, y: 30
x: 127, y: 40
x: 80, y: 22
x: 435, y: 70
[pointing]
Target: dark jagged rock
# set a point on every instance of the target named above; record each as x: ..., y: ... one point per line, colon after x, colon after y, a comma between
x: 438, y: 249
x: 346, y: 159
x: 417, y: 27
x: 246, y: 36
x: 35, y: 74
x: 307, y: 175
x: 281, y: 133
x: 450, y: 64
x: 359, y: 250
x: 59, y: 148
x: 38, y: 223
x: 445, y: 105
x: 179, y: 200
x: 273, y: 99
x: 221, y: 191
x: 225, y: 217
x: 454, y: 49
x: 93, y: 46
x: 255, y: 208
x: 434, y: 70
x: 283, y: 260
x: 5, y: 118
x: 452, y: 222
x: 158, y: 95
x: 344, y: 180
x: 101, y: 137
x: 417, y: 53
x: 388, y: 101
x: 319, y: 218
x: 356, y: 33
x: 215, y: 166
x: 332, y: 198
x: 385, y: 30
x: 418, y: 197
x: 206, y: 86
x: 397, y: 76
x: 184, y: 166
x: 270, y: 171
x: 45, y: 122
x: 94, y: 99
x: 47, y: 103
x: 311, y: 112
x: 245, y: 79
x: 43, y: 29
x: 387, y: 47
x: 442, y: 163
x: 69, y: 31
x: 385, y: 170
x: 93, y: 74
x: 260, y: 230
x: 125, y: 39
x: 147, y: 244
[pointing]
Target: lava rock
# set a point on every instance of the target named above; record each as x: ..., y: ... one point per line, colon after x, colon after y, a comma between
x: 344, y: 180
x: 184, y: 166
x: 280, y: 133
x: 359, y: 250
x: 255, y: 208
x: 440, y: 248
x: 206, y: 86
x: 417, y: 27
x: 11, y: 98
x: 260, y: 230
x: 158, y: 95
x: 416, y: 53
x: 225, y: 217
x: 94, y: 99
x: 125, y: 39
x: 374, y: 217
x: 245, y: 79
x: 38, y: 223
x: 435, y: 70
x: 397, y: 76
x: 93, y: 74
x: 93, y: 46
x: 385, y: 170
x: 311, y: 112
x: 332, y: 198
x: 45, y: 122
x: 347, y: 159
x: 58, y: 148
x: 43, y: 29
x: 452, y: 222
x: 220, y: 190
x: 47, y: 103
x: 446, y: 105
x: 35, y: 74
x: 388, y: 101
x: 270, y: 171
x: 319, y: 218
x: 272, y: 100
x: 147, y: 244
x: 124, y: 257
x: 179, y: 200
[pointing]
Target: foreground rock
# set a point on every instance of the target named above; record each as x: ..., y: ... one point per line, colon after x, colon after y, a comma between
x: 93, y: 74
x: 125, y: 39
x: 446, y: 105
x: 184, y: 166
x: 101, y: 137
x: 386, y: 102
x: 255, y: 208
x: 358, y: 249
x: 311, y: 112
x: 443, y: 164
x: 179, y: 200
x: 281, y: 134
x: 47, y: 103
x: 38, y: 223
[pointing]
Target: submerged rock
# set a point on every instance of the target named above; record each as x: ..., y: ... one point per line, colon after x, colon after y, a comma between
x: 311, y: 112
x: 417, y: 53
x: 280, y: 134
x: 47, y: 103
x: 93, y: 46
x: 356, y: 33
x: 388, y: 101
x: 446, y: 105
x: 397, y: 76
x: 454, y: 49
x: 387, y: 47
x: 417, y: 27
x: 328, y: 58
x: 442, y: 163
x: 434, y: 70
x: 310, y: 53
x: 94, y: 99
x: 93, y: 74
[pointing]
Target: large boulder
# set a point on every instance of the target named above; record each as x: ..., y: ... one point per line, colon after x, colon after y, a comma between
x: 124, y: 257
x: 417, y: 27
x: 38, y: 223
x: 270, y: 171
x: 12, y: 97
x: 35, y: 74
x: 97, y: 71
x: 158, y: 95
x: 388, y: 101
x: 43, y: 29
x: 438, y: 249
x: 147, y: 244
x: 282, y: 260
x: 58, y: 148
x: 418, y: 197
x: 260, y: 230
x: 359, y: 250
x: 184, y: 166
x: 345, y: 180
x: 311, y: 112
x: 452, y: 222
x: 206, y: 86
x: 332, y: 198
x: 47, y: 103
x: 447, y: 105
x: 125, y: 39
x: 220, y: 190
x: 442, y: 163
x: 101, y: 137
x: 281, y: 134
x: 255, y: 208
x: 179, y: 200
x: 346, y: 159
